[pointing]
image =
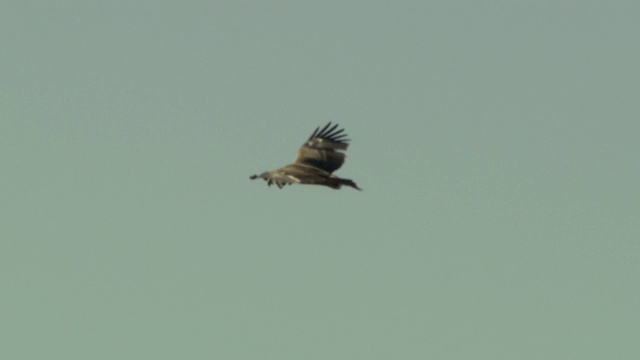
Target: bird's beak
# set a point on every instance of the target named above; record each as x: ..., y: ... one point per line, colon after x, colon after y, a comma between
x: 253, y: 177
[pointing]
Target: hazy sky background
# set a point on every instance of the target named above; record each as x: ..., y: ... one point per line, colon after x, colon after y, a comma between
x: 496, y: 143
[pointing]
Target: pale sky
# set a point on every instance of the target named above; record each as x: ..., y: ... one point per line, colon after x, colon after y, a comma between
x: 496, y: 143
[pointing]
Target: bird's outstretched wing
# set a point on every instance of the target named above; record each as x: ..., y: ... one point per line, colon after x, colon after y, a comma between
x: 320, y: 149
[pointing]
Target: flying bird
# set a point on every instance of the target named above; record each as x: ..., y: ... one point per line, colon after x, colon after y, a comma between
x: 317, y: 159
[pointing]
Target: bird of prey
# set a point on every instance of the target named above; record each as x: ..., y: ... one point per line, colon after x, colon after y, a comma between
x: 317, y: 159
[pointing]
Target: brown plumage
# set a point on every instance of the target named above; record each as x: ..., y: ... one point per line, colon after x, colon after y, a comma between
x: 317, y: 159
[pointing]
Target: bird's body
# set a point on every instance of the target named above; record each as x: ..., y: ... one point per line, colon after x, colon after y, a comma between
x: 317, y: 159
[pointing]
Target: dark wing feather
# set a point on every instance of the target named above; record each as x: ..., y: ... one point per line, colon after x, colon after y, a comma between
x: 320, y: 149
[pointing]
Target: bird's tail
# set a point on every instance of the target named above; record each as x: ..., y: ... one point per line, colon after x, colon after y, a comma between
x: 336, y: 183
x: 349, y: 182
